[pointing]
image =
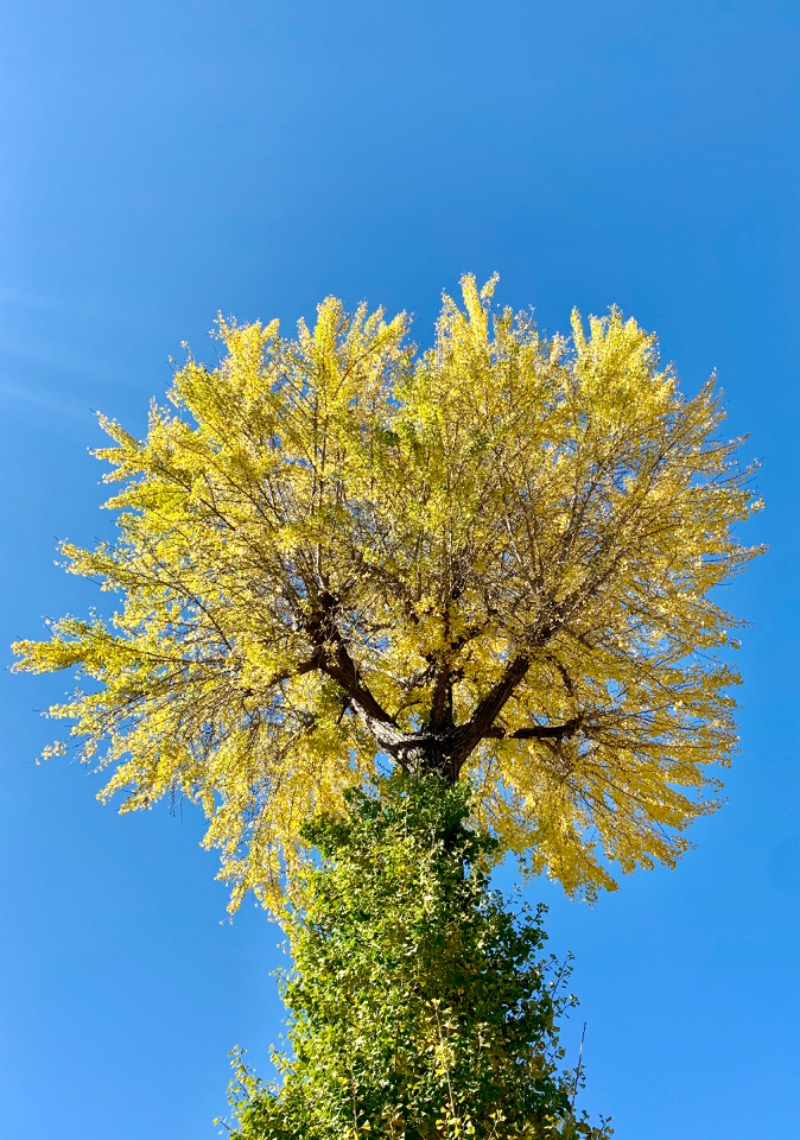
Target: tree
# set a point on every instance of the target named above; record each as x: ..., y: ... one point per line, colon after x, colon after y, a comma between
x: 421, y: 1009
x: 494, y: 559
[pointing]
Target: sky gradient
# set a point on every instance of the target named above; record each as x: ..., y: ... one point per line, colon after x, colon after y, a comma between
x: 162, y: 163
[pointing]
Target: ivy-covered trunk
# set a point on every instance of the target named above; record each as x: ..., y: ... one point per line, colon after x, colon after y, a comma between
x: 420, y: 1006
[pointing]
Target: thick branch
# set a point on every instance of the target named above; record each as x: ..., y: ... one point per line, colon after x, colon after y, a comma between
x: 467, y: 736
x: 538, y: 731
x: 480, y: 724
x: 441, y: 717
x: 335, y: 661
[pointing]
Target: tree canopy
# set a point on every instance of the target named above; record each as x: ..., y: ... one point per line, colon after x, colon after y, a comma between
x: 495, y: 558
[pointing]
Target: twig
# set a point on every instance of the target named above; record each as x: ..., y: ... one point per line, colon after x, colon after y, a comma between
x: 575, y: 1083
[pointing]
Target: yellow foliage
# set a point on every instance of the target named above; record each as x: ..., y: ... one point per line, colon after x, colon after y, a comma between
x: 497, y: 557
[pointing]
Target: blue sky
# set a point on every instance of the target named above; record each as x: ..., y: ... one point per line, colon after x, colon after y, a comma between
x: 162, y: 162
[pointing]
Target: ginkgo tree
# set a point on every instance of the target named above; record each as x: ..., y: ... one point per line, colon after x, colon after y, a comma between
x: 497, y: 559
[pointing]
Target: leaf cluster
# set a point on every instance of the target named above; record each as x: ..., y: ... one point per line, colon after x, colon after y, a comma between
x: 420, y: 1006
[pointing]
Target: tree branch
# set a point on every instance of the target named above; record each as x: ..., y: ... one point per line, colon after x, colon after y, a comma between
x: 466, y: 737
x: 538, y: 731
x: 335, y: 661
x: 441, y: 715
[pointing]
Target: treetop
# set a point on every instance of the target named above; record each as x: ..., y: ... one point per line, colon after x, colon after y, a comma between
x: 496, y: 558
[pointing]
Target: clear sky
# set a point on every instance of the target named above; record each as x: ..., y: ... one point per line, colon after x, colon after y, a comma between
x: 163, y: 161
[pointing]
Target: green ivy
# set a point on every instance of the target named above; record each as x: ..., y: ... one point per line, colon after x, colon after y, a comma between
x: 420, y: 1006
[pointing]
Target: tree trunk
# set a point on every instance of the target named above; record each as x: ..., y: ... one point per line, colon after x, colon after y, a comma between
x: 428, y: 756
